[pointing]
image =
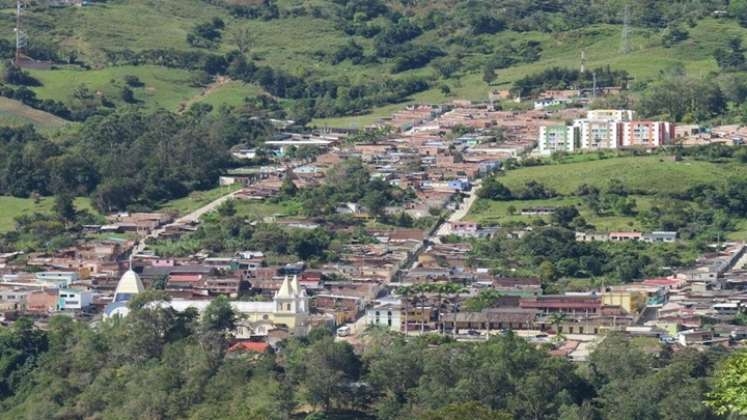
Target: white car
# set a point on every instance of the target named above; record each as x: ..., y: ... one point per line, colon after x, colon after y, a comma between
x: 343, y: 331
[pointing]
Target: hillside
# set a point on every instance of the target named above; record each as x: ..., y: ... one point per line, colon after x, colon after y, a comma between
x: 300, y: 38
x: 622, y: 193
x: 14, y: 113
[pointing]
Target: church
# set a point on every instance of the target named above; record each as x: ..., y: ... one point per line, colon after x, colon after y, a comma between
x: 289, y: 307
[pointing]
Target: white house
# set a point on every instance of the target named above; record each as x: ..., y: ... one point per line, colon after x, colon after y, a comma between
x: 385, y: 315
x: 73, y: 299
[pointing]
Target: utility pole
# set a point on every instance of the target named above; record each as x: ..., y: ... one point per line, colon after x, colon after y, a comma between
x: 625, y: 41
x: 583, y: 61
x: 594, y: 86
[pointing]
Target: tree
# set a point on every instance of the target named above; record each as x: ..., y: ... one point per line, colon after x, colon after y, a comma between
x: 488, y: 73
x: 547, y: 271
x: 288, y: 187
x: 556, y: 319
x: 487, y: 298
x: 128, y: 95
x: 467, y: 410
x: 219, y: 316
x: 243, y: 39
x: 738, y: 9
x: 330, y: 368
x: 64, y: 207
x: 564, y: 215
x: 729, y: 396
x: 494, y: 190
x: 227, y: 209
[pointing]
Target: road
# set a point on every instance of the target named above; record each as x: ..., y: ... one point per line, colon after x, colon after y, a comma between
x: 461, y: 212
x: 195, y: 216
x: 441, y: 230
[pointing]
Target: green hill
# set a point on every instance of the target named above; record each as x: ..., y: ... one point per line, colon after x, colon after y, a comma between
x: 302, y: 39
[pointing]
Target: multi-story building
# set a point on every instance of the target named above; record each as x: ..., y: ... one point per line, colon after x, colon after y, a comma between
x: 597, y: 134
x: 605, y: 129
x: 619, y: 115
x: 558, y: 138
x: 647, y: 133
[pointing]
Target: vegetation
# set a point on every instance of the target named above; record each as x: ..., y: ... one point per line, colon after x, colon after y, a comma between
x: 349, y: 46
x: 157, y: 363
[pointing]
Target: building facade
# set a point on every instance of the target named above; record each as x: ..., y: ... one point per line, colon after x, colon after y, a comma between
x: 558, y: 138
x: 605, y: 129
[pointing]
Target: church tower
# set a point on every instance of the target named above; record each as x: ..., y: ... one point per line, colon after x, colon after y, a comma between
x: 291, y: 298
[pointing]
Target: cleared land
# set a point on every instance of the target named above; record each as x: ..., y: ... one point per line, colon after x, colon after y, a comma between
x: 648, y: 174
x: 12, y: 207
x: 639, y: 173
x: 14, y: 113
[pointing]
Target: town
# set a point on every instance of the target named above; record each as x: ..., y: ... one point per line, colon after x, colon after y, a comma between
x: 373, y: 209
x: 415, y: 279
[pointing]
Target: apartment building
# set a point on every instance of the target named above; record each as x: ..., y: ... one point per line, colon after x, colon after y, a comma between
x: 558, y: 138
x: 605, y: 129
x: 647, y: 133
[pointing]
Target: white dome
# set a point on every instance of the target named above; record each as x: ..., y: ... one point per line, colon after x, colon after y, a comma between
x: 128, y: 285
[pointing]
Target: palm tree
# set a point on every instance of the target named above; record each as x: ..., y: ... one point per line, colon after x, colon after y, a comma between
x: 447, y: 290
x: 556, y: 319
x: 406, y: 293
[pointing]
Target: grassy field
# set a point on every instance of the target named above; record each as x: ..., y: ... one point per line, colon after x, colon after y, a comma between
x: 648, y: 174
x: 197, y: 199
x: 164, y: 87
x: 642, y: 173
x: 14, y: 113
x: 231, y: 94
x: 12, y: 207
x: 488, y: 212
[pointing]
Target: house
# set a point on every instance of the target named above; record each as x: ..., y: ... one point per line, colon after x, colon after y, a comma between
x: 42, y: 301
x: 460, y: 185
x: 625, y: 236
x: 570, y: 304
x: 74, y: 299
x: 494, y: 319
x: 13, y: 299
x: 57, y: 278
x: 547, y: 102
x: 518, y: 286
x: 660, y: 236
x: 649, y: 134
x: 386, y: 315
x: 591, y: 237
x: 694, y: 337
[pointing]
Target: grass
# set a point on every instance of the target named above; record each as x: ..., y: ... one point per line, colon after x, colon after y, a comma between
x: 489, y: 212
x: 649, y: 175
x: 197, y: 199
x: 12, y: 207
x: 231, y: 94
x: 164, y: 87
x: 261, y: 210
x: 293, y: 43
x: 642, y: 173
x: 14, y: 113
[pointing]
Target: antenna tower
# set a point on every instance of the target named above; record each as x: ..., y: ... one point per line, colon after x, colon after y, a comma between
x: 22, y: 38
x: 625, y: 41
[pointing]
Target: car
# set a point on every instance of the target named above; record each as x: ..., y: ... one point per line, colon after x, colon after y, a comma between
x: 343, y: 331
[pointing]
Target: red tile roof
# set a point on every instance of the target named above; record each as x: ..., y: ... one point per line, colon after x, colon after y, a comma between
x: 250, y: 346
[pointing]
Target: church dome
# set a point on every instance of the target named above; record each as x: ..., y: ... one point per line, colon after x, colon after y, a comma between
x: 128, y: 286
